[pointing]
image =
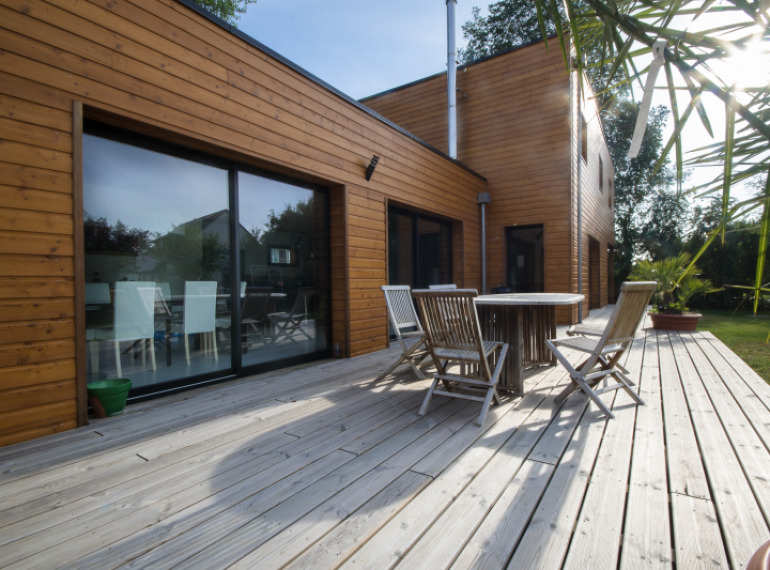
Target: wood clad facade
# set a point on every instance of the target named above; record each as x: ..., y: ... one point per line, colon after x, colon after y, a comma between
x: 519, y: 125
x: 163, y: 68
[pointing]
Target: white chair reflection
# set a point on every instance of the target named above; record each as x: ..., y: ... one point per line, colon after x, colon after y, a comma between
x: 98, y: 307
x: 442, y: 287
x: 200, y: 306
x: 134, y: 317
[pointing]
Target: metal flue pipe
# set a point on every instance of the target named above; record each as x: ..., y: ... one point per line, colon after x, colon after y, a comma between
x: 451, y: 9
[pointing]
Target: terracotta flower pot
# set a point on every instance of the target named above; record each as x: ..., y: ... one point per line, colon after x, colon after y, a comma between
x: 683, y: 322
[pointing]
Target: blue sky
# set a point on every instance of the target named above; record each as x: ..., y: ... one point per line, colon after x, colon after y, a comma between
x: 361, y: 47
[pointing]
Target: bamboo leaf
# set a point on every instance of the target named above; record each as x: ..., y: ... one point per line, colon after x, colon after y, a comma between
x: 677, y: 127
x: 763, y: 240
x: 728, y: 160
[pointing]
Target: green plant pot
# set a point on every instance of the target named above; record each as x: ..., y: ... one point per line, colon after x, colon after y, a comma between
x: 108, y: 397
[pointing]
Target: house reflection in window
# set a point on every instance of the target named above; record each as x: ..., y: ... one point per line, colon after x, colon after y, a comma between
x: 282, y: 256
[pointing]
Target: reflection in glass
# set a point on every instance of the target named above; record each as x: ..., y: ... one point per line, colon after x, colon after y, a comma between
x: 283, y: 264
x: 156, y: 229
x: 419, y: 249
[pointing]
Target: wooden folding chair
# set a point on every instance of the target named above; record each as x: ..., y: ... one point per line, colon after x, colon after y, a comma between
x: 454, y: 337
x: 605, y: 351
x: 407, y: 328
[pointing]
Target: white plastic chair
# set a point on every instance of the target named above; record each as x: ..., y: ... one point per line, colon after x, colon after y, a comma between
x: 134, y: 317
x: 200, y: 308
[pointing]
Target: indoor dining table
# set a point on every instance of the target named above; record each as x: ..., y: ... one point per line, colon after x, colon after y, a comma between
x: 524, y: 321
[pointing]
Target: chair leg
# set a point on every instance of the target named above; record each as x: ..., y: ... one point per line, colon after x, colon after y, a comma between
x: 490, y: 397
x: 152, y: 354
x: 591, y: 394
x: 214, y: 342
x: 626, y: 383
x: 428, y: 396
x: 187, y: 347
x: 117, y: 359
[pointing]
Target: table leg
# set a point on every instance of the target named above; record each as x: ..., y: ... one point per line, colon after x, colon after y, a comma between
x: 516, y: 344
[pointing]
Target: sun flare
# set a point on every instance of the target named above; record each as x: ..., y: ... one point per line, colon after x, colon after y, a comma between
x: 748, y: 69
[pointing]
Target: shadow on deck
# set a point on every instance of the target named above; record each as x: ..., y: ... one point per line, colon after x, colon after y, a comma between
x: 319, y: 466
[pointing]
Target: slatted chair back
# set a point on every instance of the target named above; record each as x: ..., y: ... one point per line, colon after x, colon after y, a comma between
x: 604, y: 353
x: 407, y: 328
x: 450, y: 320
x: 629, y: 310
x: 454, y: 337
x: 401, y: 311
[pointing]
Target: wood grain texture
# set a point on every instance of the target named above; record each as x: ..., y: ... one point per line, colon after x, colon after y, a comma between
x: 160, y: 69
x: 517, y: 120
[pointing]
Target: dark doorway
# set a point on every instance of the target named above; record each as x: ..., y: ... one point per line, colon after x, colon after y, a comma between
x: 594, y: 274
x: 525, y: 259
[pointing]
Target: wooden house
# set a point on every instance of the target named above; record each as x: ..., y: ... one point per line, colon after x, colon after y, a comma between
x: 174, y: 195
x: 534, y: 133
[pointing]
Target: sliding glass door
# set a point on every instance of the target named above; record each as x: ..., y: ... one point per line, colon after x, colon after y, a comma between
x: 282, y: 275
x: 196, y: 269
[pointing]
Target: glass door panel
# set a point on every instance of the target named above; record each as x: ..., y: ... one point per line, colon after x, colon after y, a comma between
x: 283, y: 265
x: 419, y: 249
x: 157, y: 265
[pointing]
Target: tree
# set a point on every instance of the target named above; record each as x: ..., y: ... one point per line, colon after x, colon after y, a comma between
x: 695, y: 42
x: 642, y: 193
x: 229, y: 10
x: 509, y: 24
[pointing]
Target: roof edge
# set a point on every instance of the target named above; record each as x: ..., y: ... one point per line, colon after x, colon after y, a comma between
x: 192, y: 5
x: 459, y: 68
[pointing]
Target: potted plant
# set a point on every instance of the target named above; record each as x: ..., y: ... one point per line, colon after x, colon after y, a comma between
x: 678, y: 282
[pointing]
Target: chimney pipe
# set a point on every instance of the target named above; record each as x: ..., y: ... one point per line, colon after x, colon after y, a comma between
x: 451, y: 7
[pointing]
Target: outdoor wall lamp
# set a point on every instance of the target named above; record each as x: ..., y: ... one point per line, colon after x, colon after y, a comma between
x: 371, y: 167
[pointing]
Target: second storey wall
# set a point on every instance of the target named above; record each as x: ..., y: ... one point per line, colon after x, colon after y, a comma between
x: 514, y: 129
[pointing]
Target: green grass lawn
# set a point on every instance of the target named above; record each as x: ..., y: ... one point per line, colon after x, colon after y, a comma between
x: 744, y: 334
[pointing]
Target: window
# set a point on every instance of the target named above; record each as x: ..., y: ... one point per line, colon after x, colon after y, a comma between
x: 601, y: 175
x: 419, y: 249
x: 168, y: 301
x: 583, y: 137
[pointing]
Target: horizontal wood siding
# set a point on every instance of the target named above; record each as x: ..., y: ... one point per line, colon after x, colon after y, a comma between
x: 514, y: 128
x: 597, y: 200
x: 162, y: 69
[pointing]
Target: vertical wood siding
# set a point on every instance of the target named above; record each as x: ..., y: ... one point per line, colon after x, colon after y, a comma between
x: 161, y: 68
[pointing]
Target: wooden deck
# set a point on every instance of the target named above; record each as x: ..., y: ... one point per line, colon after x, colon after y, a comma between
x: 317, y: 467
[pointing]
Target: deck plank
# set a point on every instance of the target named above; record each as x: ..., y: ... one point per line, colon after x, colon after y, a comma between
x: 742, y: 524
x: 322, y: 466
x: 646, y: 541
x: 697, y: 537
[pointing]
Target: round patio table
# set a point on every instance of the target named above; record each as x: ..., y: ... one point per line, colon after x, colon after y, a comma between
x: 524, y: 321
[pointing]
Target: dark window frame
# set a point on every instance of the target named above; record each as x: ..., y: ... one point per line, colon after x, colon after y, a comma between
x: 236, y: 370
